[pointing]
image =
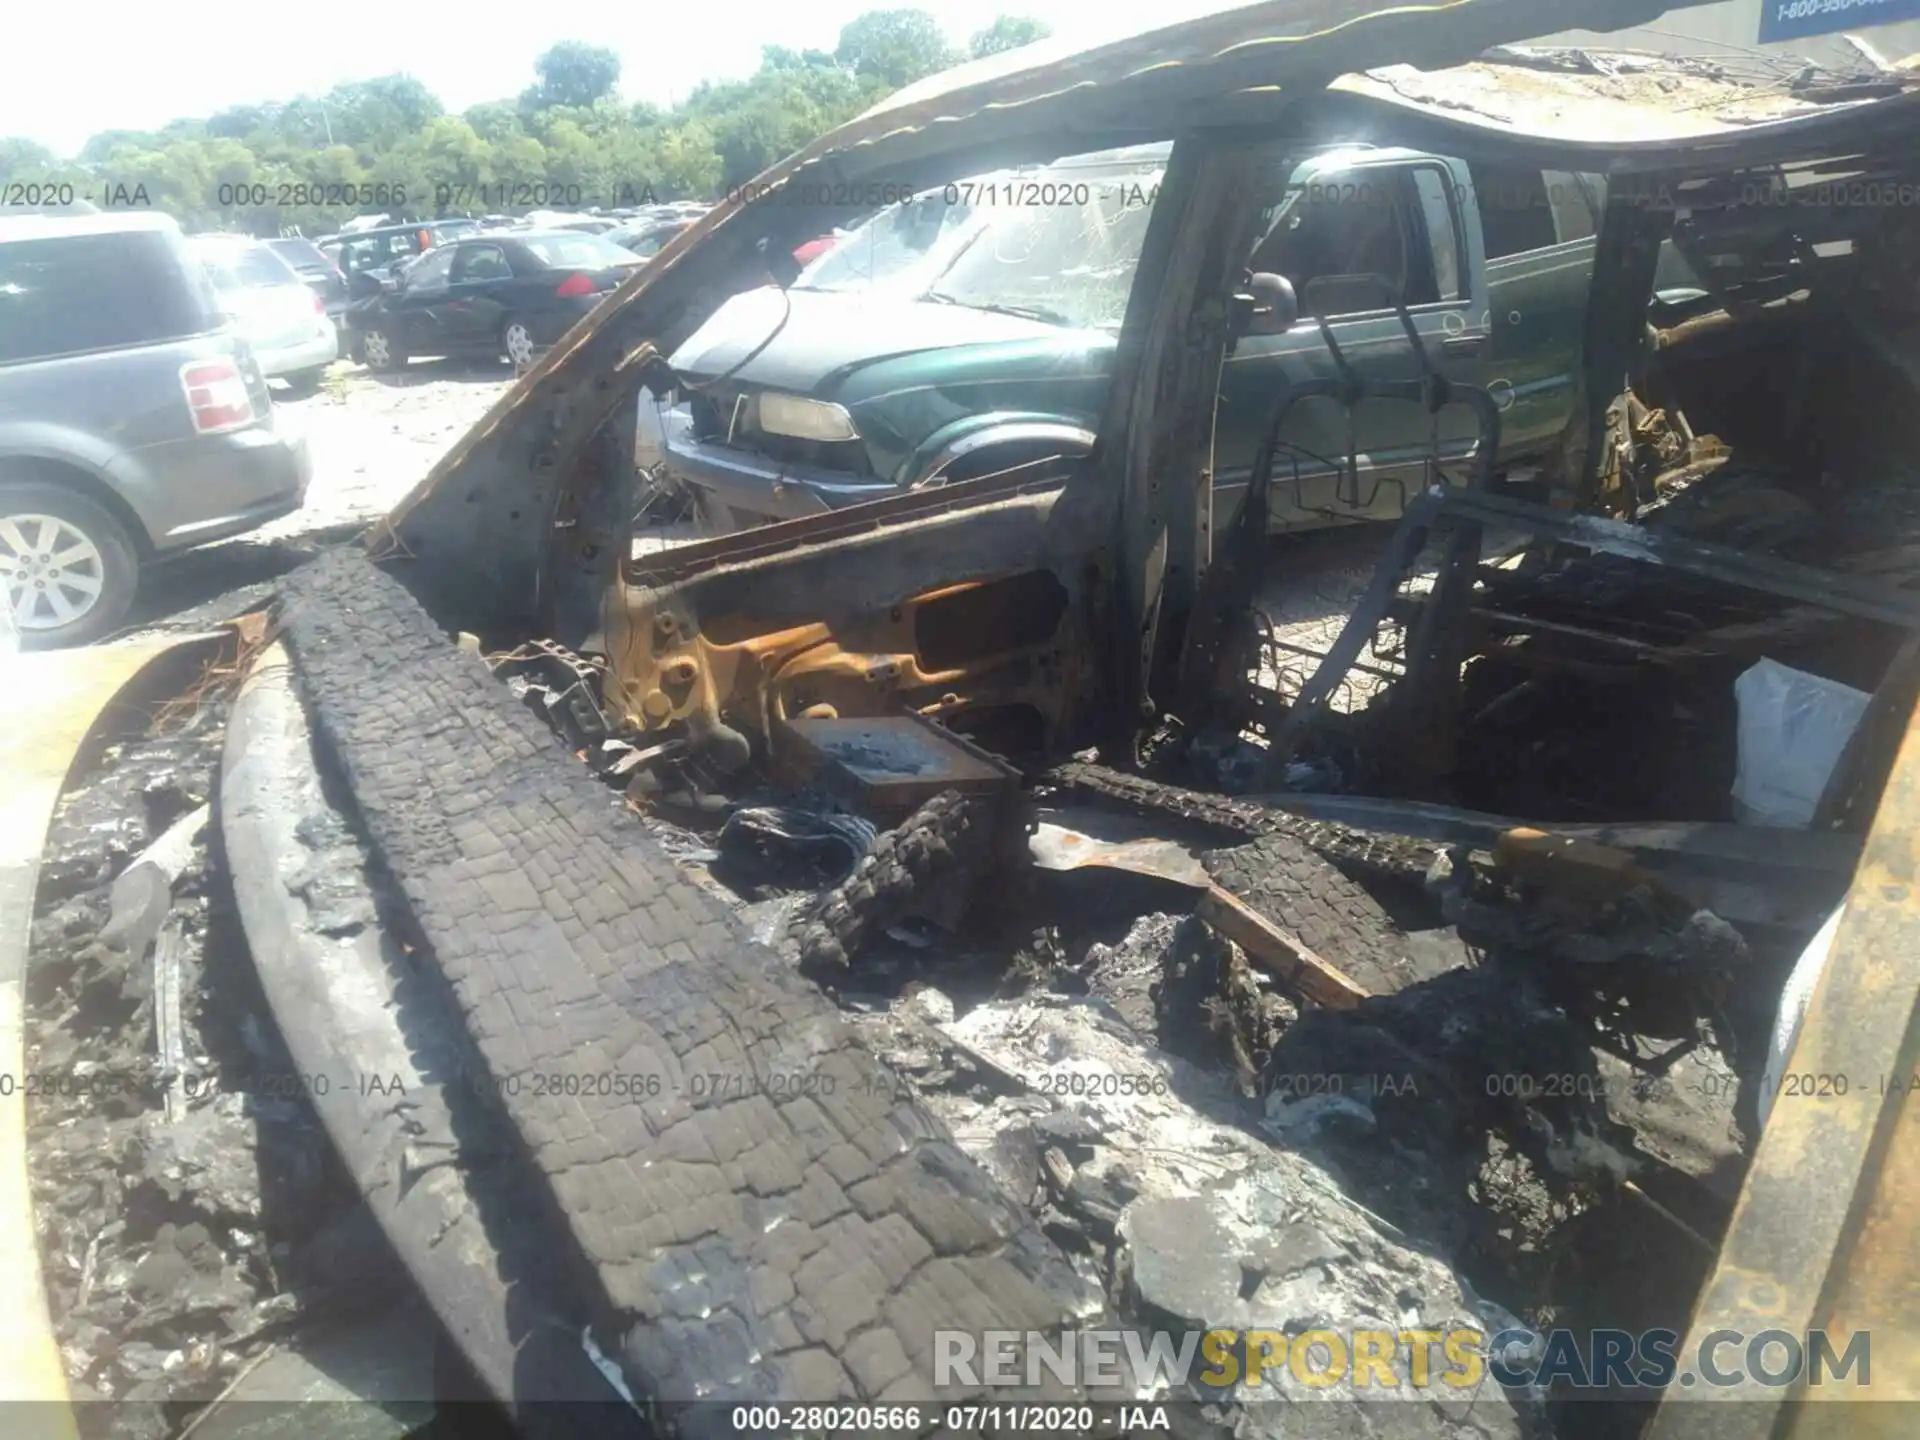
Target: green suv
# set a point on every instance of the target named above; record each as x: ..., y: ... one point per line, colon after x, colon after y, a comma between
x: 994, y: 345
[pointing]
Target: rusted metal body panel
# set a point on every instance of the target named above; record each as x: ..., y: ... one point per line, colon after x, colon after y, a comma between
x: 1823, y: 1236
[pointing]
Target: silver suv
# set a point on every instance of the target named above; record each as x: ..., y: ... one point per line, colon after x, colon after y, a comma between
x: 134, y: 421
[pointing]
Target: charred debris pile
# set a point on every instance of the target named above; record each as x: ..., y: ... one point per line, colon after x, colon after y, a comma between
x: 1508, y: 993
x: 192, y: 1216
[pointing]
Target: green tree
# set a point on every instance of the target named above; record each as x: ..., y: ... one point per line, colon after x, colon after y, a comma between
x: 894, y: 46
x: 494, y: 120
x: 568, y: 128
x: 1007, y: 32
x: 377, y: 114
x: 574, y: 73
x: 25, y: 160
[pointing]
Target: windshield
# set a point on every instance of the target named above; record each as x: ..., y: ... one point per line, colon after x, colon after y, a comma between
x: 298, y: 252
x: 576, y: 252
x: 896, y: 245
x: 1056, y: 245
x: 244, y: 265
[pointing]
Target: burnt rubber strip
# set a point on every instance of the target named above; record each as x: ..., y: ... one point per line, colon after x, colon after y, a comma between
x: 382, y: 1063
x: 764, y: 1213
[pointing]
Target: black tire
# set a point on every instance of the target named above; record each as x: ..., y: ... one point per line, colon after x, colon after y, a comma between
x: 945, y: 840
x: 118, y: 569
x: 712, y: 517
x: 1284, y: 880
x: 306, y: 382
x: 395, y: 353
x: 574, y: 948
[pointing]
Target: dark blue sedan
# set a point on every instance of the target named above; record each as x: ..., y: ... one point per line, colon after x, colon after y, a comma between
x: 485, y: 296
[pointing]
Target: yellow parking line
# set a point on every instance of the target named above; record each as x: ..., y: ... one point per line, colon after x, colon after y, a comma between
x: 48, y: 703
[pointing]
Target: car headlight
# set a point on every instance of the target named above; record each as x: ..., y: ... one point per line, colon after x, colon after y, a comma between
x: 800, y: 419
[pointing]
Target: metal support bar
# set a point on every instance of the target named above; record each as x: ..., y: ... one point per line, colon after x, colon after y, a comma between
x: 1468, y: 511
x: 1806, y: 583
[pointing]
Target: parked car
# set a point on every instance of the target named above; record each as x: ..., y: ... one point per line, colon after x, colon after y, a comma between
x: 1016, y: 338
x: 815, y: 248
x: 366, y: 256
x: 282, y: 318
x: 508, y: 293
x: 134, y: 418
x: 647, y: 238
x: 319, y: 272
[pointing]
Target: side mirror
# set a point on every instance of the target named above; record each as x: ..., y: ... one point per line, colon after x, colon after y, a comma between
x: 782, y: 265
x: 1265, y: 305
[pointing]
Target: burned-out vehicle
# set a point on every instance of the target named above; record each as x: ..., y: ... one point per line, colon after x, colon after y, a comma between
x: 983, y: 909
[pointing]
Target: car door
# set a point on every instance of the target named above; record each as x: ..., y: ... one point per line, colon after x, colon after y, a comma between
x: 477, y: 296
x: 1539, y: 236
x: 1334, y: 217
x: 417, y: 307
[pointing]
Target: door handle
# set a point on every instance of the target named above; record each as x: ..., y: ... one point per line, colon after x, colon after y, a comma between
x: 1463, y: 344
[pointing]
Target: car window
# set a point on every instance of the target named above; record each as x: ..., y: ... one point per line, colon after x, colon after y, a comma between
x: 1058, y: 244
x: 576, y: 252
x: 77, y: 293
x: 298, y: 252
x: 922, y: 232
x: 430, y: 271
x: 1516, y: 209
x: 480, y: 262
x: 244, y: 266
x: 1353, y: 221
x: 1572, y: 204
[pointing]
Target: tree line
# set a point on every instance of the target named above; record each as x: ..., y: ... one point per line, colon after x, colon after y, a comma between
x: 566, y: 142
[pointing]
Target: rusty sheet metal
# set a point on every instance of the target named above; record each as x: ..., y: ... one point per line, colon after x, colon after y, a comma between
x: 49, y: 703
x: 887, y: 766
x: 1659, y: 101
x: 1823, y: 1235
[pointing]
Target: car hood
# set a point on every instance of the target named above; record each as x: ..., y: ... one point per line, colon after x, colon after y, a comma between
x: 805, y: 340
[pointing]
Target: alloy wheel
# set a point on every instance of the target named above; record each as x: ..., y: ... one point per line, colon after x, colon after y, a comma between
x: 51, y: 572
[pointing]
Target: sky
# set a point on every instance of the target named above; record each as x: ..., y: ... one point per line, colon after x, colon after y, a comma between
x: 140, y: 65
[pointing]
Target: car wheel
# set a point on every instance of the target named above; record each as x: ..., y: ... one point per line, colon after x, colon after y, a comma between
x: 710, y: 516
x: 517, y: 341
x: 306, y: 382
x: 380, y: 351
x: 67, y: 568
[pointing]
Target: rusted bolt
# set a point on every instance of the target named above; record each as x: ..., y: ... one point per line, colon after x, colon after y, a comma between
x: 664, y: 625
x: 656, y: 707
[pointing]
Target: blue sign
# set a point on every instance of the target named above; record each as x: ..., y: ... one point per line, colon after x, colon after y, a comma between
x: 1799, y: 19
